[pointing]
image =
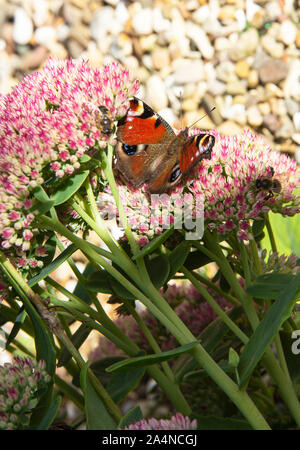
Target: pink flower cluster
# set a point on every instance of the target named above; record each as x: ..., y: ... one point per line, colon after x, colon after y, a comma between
x: 225, y: 186
x: 47, y: 124
x: 19, y: 385
x: 177, y: 422
x: 187, y: 303
x: 279, y: 263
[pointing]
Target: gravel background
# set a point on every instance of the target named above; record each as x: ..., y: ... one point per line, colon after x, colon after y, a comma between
x: 238, y: 55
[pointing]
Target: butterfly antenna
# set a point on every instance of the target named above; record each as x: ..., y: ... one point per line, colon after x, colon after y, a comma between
x: 206, y: 114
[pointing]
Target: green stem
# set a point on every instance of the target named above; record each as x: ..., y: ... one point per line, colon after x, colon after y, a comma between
x: 150, y: 338
x: 256, y: 258
x: 216, y: 288
x: 107, y: 167
x: 218, y: 310
x: 70, y: 392
x: 270, y: 233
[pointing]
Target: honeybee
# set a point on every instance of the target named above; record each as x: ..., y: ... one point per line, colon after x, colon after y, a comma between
x: 104, y: 120
x: 268, y: 184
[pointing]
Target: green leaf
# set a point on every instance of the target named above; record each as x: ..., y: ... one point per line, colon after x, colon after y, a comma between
x: 154, y: 243
x: 257, y: 227
x: 97, y: 416
x: 286, y: 231
x: 123, y: 382
x: 41, y: 207
x: 119, y: 290
x: 158, y: 269
x: 269, y: 285
x: 50, y: 246
x: 210, y: 338
x: 268, y: 327
x: 221, y: 423
x: 69, y: 187
x: 134, y: 415
x: 81, y: 289
x: 196, y: 259
x: 77, y: 339
x: 50, y: 415
x: 52, y: 266
x: 143, y: 361
x: 178, y: 256
x: 99, y: 282
x: 17, y: 325
x: 99, y: 370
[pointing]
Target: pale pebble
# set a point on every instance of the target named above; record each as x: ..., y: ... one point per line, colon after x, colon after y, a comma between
x: 296, y: 138
x: 101, y: 23
x: 292, y: 106
x: 271, y: 46
x: 200, y: 38
x: 62, y: 32
x: 264, y: 108
x: 224, y: 70
x: 156, y: 92
x: 296, y: 120
x: 23, y: 27
x: 254, y: 116
x: 288, y: 32
x: 142, y: 21
x: 286, y: 129
x: 235, y: 86
x: 40, y: 12
x: 236, y: 112
x: 253, y: 78
x: 292, y: 83
x: 160, y: 23
x: 201, y: 14
x: 229, y: 128
x: 251, y: 9
x: 216, y: 87
x: 187, y: 71
x: 45, y: 35
x: 246, y: 45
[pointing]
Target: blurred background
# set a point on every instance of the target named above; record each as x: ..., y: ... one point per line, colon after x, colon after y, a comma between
x: 238, y: 55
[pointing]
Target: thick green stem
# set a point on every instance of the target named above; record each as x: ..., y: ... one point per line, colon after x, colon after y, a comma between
x: 270, y: 233
x: 218, y: 310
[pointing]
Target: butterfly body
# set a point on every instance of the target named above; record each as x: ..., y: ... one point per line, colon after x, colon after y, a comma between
x: 149, y: 150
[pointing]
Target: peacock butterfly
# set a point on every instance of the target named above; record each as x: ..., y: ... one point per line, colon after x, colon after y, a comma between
x: 148, y: 149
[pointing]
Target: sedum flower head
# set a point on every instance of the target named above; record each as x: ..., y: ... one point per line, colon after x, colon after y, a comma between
x: 274, y: 262
x: 20, y: 382
x: 48, y: 123
x: 177, y: 422
x: 224, y: 187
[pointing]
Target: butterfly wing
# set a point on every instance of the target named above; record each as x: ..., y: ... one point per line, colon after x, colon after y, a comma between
x: 194, y: 150
x: 142, y: 135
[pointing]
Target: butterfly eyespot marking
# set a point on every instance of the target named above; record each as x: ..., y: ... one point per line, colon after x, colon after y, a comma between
x: 176, y: 173
x: 129, y: 149
x: 133, y: 149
